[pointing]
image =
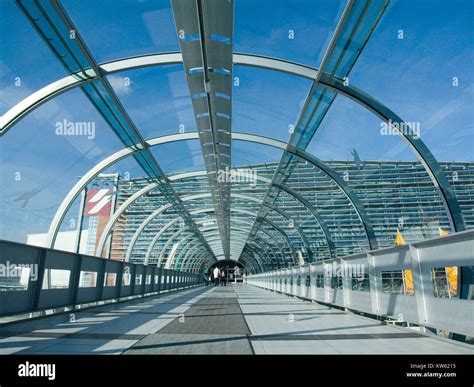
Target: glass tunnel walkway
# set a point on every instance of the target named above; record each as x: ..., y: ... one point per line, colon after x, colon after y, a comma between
x: 315, y: 158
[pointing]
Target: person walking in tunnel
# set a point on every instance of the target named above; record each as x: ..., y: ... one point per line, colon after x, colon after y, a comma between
x: 215, y: 274
x: 223, y: 279
x: 207, y: 276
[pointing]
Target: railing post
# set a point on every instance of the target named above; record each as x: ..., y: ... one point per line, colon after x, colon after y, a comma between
x: 418, y: 284
x: 159, y: 271
x: 144, y: 275
x: 39, y: 282
x: 133, y: 274
x: 346, y: 285
x: 101, y: 280
x: 153, y: 282
x: 375, y: 284
x: 118, y: 282
x: 75, y: 280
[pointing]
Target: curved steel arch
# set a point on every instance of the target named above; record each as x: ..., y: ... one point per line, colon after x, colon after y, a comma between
x: 165, y: 207
x: 204, y: 231
x: 192, y: 259
x: 194, y: 255
x: 188, y: 248
x: 161, y: 231
x: 263, y: 262
x: 239, y: 234
x: 177, y: 233
x: 239, y: 210
x: 179, y: 243
x: 193, y: 262
x: 333, y: 175
x: 185, y: 261
x: 193, y: 266
x: 137, y: 233
x: 271, y: 224
x: 145, y: 190
x: 58, y: 87
x: 152, y: 216
x: 258, y: 262
x: 282, y: 213
x: 422, y: 152
x: 155, y: 239
x: 274, y: 262
x: 272, y: 258
x: 158, y: 235
x: 253, y: 261
x: 309, y: 206
x: 179, y: 259
x: 262, y: 230
x: 261, y: 253
x: 109, y: 161
x: 170, y: 240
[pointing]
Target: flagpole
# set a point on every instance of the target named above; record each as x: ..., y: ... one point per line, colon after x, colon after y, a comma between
x: 112, y: 211
x: 81, y: 219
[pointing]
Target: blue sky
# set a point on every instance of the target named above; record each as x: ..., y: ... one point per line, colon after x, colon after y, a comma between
x: 413, y: 76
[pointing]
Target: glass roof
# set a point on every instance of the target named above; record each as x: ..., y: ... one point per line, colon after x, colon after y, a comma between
x: 281, y: 131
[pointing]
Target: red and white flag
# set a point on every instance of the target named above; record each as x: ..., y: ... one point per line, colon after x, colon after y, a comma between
x: 98, y: 202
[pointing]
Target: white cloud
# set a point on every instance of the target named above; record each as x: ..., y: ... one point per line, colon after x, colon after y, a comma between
x: 121, y: 85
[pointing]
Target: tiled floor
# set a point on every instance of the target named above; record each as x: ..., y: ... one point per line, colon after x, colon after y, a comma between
x: 108, y: 329
x: 213, y: 325
x: 286, y: 325
x: 234, y: 319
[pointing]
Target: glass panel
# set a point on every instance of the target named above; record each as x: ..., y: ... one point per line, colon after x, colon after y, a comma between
x: 461, y: 178
x: 20, y: 54
x: 110, y: 279
x: 88, y: 279
x: 56, y: 279
x: 336, y: 282
x: 332, y: 206
x: 361, y: 284
x: 398, y: 282
x: 392, y: 282
x: 353, y: 35
x: 424, y: 72
x: 297, y: 31
x: 157, y: 99
x: 347, y: 127
x: 266, y: 102
x: 179, y: 156
x: 92, y: 209
x: 116, y: 29
x: 42, y: 157
x: 14, y: 277
x: 247, y: 154
x: 393, y: 186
